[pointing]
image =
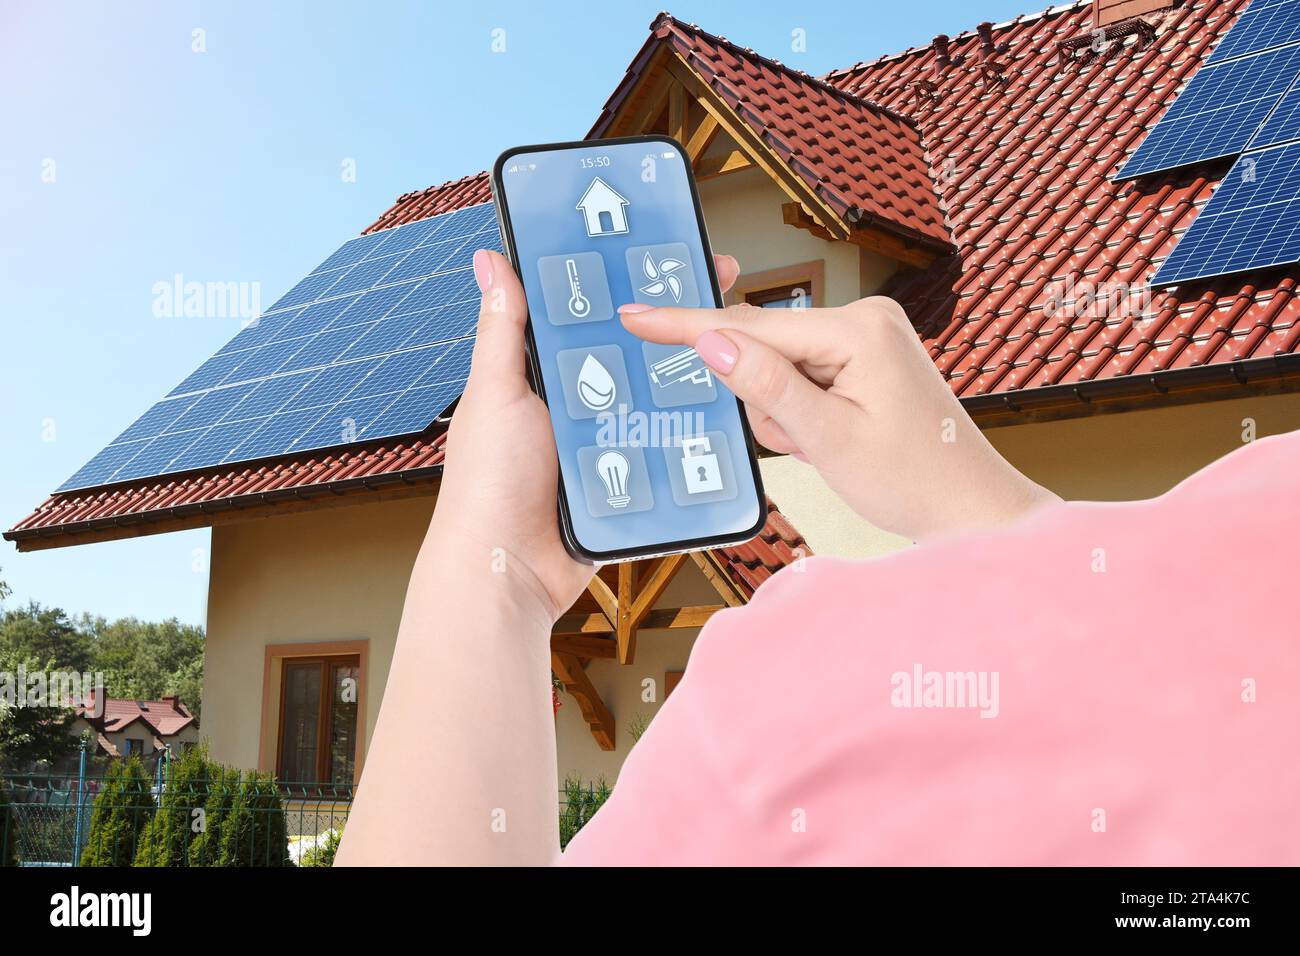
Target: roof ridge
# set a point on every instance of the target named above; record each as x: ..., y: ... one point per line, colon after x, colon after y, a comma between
x: 815, y: 81
x: 449, y: 184
x: 1053, y: 9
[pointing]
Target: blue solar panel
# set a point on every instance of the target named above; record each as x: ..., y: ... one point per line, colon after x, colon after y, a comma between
x: 1251, y: 222
x: 1264, y: 25
x: 1283, y: 124
x: 1218, y: 113
x: 373, y: 343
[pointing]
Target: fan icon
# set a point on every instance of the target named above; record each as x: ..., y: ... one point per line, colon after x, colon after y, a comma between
x: 661, y: 277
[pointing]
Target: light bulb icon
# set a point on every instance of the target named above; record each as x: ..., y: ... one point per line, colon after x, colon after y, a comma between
x: 613, y: 469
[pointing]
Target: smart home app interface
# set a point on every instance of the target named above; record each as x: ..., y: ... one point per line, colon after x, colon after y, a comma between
x: 651, y: 445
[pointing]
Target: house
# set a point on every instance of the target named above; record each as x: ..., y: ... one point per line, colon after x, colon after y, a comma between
x: 124, y: 728
x: 971, y: 178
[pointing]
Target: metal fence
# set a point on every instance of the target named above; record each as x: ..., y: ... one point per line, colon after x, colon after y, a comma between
x: 51, y: 820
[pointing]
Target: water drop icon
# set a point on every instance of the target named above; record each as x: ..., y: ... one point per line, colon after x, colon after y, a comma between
x: 595, y: 385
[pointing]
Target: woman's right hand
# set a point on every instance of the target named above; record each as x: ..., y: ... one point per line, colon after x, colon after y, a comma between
x: 852, y: 391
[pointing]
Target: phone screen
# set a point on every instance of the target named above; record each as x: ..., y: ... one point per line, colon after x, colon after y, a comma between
x: 653, y: 448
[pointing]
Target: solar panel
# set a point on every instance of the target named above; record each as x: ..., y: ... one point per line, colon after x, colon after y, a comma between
x: 1283, y: 124
x: 1251, y: 222
x: 374, y: 342
x: 1218, y: 113
x: 1264, y: 25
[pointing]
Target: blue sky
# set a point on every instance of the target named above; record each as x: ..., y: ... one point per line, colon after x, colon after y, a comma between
x: 128, y: 158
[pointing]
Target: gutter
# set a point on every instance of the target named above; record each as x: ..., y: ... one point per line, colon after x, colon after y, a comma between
x: 340, y: 488
x: 1277, y: 373
x: 1129, y: 391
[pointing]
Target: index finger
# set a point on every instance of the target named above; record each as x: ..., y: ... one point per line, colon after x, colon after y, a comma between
x: 801, y: 335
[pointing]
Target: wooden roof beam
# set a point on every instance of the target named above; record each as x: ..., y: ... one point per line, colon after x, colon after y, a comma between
x: 578, y: 685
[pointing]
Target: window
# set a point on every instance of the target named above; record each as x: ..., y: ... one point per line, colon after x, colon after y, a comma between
x: 793, y: 295
x: 133, y: 746
x: 799, y: 285
x: 318, y: 719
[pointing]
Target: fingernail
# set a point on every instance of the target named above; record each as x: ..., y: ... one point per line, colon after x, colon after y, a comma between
x: 800, y: 456
x: 483, y: 270
x: 718, y: 351
x: 633, y: 307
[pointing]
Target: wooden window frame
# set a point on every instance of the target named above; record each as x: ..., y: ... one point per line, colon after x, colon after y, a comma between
x: 268, y: 759
x: 756, y: 286
x: 325, y: 715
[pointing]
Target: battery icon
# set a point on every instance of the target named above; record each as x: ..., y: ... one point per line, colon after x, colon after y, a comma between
x: 670, y: 155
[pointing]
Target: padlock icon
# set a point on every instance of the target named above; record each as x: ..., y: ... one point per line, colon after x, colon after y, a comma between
x: 699, y: 467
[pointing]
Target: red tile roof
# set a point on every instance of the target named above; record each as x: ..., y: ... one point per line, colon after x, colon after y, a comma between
x: 434, y: 201
x: 163, y: 717
x: 1025, y: 152
x: 1023, y: 139
x: 866, y: 162
x: 353, y: 470
x: 234, y: 487
x: 777, y: 546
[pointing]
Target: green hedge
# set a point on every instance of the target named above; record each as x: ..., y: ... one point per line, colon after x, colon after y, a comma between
x: 207, y: 815
x: 121, y: 812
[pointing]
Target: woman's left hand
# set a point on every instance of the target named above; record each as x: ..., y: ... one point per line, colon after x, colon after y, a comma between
x: 499, y: 486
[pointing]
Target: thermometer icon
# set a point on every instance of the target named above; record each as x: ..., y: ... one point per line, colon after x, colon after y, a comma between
x: 579, y: 305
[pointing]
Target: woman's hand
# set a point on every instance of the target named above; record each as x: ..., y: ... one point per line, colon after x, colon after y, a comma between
x: 853, y: 392
x: 501, y: 476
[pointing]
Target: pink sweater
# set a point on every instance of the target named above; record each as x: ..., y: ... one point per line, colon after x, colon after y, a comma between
x: 1104, y: 684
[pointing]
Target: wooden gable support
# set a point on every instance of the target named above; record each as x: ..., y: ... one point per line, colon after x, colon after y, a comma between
x: 756, y: 150
x: 794, y: 214
x: 568, y: 668
x: 621, y: 611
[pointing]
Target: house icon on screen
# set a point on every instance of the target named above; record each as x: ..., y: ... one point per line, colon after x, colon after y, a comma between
x: 603, y: 210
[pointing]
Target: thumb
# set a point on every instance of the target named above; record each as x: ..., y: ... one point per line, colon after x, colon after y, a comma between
x: 767, y: 382
x: 498, y: 362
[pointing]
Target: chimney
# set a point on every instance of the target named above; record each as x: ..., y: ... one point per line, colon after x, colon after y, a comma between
x: 174, y: 702
x: 988, y: 49
x: 1106, y: 12
x: 941, y: 50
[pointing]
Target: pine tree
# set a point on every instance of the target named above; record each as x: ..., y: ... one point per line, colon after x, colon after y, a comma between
x: 120, y: 813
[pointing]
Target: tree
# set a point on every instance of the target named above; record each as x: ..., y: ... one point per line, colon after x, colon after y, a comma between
x: 253, y: 834
x: 46, y: 634
x: 120, y: 813
x: 145, y: 660
x: 179, y: 820
x: 223, y: 791
x: 8, y: 828
x: 32, y: 729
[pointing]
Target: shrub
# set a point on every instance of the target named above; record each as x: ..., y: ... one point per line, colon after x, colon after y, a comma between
x: 581, y: 801
x: 173, y: 829
x: 222, y: 791
x: 120, y: 813
x: 253, y: 834
x: 8, y: 829
x: 322, y: 854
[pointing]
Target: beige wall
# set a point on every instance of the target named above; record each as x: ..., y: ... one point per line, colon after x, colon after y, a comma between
x: 743, y: 212
x: 1133, y: 455
x: 333, y: 575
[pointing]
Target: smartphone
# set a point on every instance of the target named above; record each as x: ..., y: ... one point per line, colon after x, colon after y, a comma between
x: 655, y: 454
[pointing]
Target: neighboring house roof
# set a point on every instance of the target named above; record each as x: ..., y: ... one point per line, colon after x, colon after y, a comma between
x: 1025, y: 153
x: 867, y: 162
x: 161, y: 718
x: 1024, y: 126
